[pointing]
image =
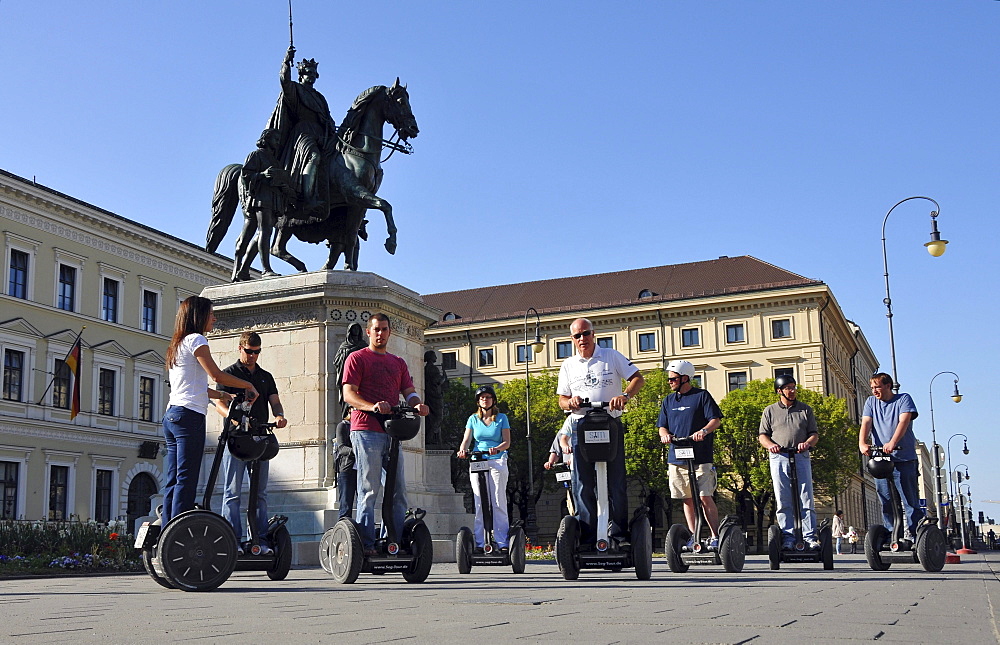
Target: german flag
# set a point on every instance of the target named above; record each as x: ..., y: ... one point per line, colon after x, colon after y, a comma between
x: 72, y: 361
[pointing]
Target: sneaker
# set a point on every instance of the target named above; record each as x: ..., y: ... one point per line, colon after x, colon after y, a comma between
x: 713, y: 543
x: 812, y: 544
x: 788, y: 544
x: 239, y: 551
x: 909, y: 537
x: 690, y: 544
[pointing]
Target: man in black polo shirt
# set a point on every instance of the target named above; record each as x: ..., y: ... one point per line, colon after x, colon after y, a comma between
x: 233, y: 469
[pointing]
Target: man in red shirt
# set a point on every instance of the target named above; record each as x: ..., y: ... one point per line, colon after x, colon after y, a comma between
x: 374, y: 379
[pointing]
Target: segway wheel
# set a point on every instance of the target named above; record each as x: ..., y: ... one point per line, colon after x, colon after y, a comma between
x: 677, y: 537
x: 345, y: 553
x: 422, y: 549
x: 324, y: 551
x: 567, y: 542
x: 515, y: 546
x: 282, y: 543
x: 826, y: 548
x: 733, y: 549
x: 774, y: 547
x: 464, y: 545
x: 147, y: 564
x: 874, y: 540
x: 931, y: 549
x: 642, y: 548
x: 197, y: 551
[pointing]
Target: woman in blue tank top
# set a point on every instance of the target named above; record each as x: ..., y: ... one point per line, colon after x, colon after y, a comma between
x: 490, y: 430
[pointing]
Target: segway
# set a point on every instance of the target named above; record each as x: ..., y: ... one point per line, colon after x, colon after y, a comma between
x: 407, y: 549
x: 732, y: 550
x: 776, y: 554
x: 598, y: 441
x: 564, y: 475
x: 494, y: 554
x: 197, y: 550
x: 882, y: 548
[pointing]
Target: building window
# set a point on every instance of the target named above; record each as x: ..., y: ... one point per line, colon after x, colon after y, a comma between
x: 607, y: 342
x: 106, y: 392
x: 147, y: 385
x: 737, y: 381
x: 564, y: 349
x: 67, y: 288
x: 60, y: 384
x: 109, y: 300
x: 735, y: 333
x: 58, y: 492
x: 150, y: 302
x: 102, y: 496
x: 449, y: 360
x: 17, y: 286
x: 781, y: 328
x: 690, y: 337
x: 486, y: 357
x: 647, y: 342
x: 13, y: 374
x: 784, y: 371
x: 8, y: 480
x: 524, y: 353
x: 646, y: 293
x: 696, y: 381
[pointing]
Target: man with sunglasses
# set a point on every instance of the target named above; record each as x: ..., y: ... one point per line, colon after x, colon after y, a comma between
x: 690, y: 411
x: 596, y: 373
x: 233, y: 470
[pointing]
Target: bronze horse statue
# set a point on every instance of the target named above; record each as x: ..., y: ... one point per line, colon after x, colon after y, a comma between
x: 354, y: 175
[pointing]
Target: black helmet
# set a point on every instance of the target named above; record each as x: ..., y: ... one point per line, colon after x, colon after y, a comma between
x: 485, y: 389
x: 246, y: 447
x: 403, y: 426
x: 879, y: 464
x: 271, y: 447
x: 782, y: 381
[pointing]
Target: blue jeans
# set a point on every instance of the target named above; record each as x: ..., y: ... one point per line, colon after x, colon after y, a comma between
x: 585, y: 492
x: 371, y: 452
x: 904, y: 475
x: 184, y: 431
x: 781, y: 478
x: 347, y: 488
x: 233, y: 471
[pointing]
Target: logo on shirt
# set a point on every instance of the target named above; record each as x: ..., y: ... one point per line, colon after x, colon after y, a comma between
x: 591, y: 380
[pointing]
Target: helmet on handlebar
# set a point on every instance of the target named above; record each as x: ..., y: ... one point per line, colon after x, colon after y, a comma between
x: 783, y: 381
x: 271, y: 447
x: 403, y: 426
x: 879, y: 464
x: 247, y: 447
x: 682, y: 368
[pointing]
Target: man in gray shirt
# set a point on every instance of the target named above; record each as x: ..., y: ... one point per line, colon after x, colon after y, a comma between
x: 791, y: 424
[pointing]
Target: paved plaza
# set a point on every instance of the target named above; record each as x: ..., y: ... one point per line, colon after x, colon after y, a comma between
x: 799, y: 603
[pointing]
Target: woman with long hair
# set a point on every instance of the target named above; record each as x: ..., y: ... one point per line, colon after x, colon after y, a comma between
x: 491, y: 431
x: 190, y: 363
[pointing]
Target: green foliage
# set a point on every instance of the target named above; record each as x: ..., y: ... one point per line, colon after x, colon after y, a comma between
x: 644, y: 458
x: 835, y: 458
x: 27, y: 546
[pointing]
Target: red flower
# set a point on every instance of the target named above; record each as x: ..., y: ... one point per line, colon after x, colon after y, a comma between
x: 113, y: 536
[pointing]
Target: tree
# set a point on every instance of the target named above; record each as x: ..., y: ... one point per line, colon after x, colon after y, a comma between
x: 459, y: 403
x: 644, y: 457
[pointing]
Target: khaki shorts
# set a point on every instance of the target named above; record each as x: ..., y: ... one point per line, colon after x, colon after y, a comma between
x: 680, y: 484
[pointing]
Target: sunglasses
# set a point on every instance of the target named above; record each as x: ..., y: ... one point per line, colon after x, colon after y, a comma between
x: 252, y: 352
x: 583, y: 334
x: 671, y: 379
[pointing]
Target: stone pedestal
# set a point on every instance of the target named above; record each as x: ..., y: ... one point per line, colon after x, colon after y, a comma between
x: 302, y: 319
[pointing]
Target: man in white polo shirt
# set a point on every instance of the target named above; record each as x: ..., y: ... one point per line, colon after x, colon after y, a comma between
x: 596, y: 373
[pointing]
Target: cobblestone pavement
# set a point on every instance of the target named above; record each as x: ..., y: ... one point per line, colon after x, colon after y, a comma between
x: 799, y: 603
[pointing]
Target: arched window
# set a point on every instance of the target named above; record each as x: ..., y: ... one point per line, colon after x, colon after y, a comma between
x: 142, y: 487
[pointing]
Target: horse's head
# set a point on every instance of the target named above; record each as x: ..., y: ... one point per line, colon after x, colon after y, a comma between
x: 398, y: 111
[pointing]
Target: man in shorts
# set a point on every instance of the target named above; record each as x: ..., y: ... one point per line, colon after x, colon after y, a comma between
x: 691, y: 412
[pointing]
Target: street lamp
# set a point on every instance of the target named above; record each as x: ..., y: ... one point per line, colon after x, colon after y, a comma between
x: 536, y: 346
x: 965, y: 451
x: 957, y: 398
x: 935, y: 247
x: 965, y: 546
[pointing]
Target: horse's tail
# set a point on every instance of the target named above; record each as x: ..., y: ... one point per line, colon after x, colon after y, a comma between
x: 224, y: 203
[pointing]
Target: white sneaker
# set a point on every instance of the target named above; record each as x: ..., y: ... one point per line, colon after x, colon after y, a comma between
x: 713, y: 543
x: 812, y: 544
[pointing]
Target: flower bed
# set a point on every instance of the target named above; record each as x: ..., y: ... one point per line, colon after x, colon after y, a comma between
x: 33, y: 547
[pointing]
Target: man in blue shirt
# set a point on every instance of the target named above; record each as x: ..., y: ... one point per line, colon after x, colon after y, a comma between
x: 888, y: 420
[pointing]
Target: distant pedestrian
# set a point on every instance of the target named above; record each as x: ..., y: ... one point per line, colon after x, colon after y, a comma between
x: 839, y: 529
x: 992, y: 536
x: 852, y: 537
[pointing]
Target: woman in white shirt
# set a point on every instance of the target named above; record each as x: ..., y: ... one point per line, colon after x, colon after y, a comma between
x: 190, y: 364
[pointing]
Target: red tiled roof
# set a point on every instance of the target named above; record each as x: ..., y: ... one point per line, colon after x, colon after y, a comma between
x: 671, y: 282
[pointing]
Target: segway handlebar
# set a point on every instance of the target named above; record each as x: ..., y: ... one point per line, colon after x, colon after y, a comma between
x: 476, y: 455
x: 587, y: 403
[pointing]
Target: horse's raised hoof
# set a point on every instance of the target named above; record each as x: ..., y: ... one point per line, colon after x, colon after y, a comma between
x: 390, y: 246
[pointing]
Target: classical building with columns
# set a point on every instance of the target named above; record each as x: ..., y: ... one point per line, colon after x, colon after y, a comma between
x: 68, y: 267
x: 736, y: 318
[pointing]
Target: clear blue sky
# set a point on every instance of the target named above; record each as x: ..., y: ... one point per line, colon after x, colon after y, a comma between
x: 563, y: 138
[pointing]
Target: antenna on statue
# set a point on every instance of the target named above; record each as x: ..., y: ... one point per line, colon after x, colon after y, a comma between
x: 291, y: 41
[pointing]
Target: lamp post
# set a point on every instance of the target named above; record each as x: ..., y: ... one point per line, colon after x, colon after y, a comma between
x: 935, y: 247
x: 957, y: 398
x: 965, y: 545
x: 951, y: 496
x: 536, y: 346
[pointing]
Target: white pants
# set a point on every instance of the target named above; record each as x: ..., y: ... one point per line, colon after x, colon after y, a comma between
x: 496, y: 484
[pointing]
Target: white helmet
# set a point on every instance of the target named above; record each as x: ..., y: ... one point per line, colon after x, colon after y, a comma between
x: 683, y: 368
